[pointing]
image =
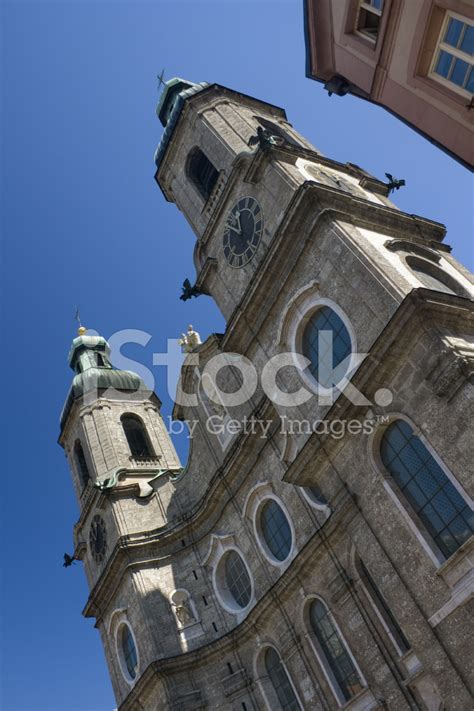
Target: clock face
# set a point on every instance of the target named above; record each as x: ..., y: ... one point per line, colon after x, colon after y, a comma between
x: 242, y: 232
x: 98, y: 538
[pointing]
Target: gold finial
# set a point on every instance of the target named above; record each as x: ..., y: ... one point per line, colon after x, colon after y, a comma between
x: 81, y: 330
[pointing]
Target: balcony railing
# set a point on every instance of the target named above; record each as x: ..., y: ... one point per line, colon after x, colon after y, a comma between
x: 145, y: 460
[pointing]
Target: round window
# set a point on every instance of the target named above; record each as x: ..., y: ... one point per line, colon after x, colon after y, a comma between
x: 236, y: 583
x: 276, y: 531
x: 326, y: 344
x: 129, y: 656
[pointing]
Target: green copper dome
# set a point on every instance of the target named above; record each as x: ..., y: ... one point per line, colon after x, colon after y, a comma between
x: 89, y: 357
x: 175, y: 93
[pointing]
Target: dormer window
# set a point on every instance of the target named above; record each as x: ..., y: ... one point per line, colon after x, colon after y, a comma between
x: 368, y: 18
x: 201, y: 171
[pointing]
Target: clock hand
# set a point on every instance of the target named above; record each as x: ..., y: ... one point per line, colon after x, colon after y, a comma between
x: 231, y: 227
x: 237, y: 217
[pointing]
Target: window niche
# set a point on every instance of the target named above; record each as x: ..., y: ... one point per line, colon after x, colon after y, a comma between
x: 202, y: 173
x: 185, y: 614
x: 137, y: 437
x: 81, y: 464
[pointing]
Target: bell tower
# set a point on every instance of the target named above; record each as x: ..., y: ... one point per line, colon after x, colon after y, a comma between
x: 244, y: 178
x: 122, y: 461
x: 288, y: 565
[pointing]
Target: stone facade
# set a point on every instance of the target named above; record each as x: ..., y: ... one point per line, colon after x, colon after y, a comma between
x: 331, y: 237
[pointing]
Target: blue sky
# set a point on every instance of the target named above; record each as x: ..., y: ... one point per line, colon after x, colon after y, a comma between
x: 84, y: 222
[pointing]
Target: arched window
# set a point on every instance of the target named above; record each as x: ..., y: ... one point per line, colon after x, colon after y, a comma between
x: 137, y: 436
x: 202, y: 172
x: 439, y: 505
x: 326, y: 343
x: 128, y: 651
x: 384, y: 612
x: 433, y: 277
x: 276, y: 530
x: 280, y: 681
x: 237, y: 579
x: 81, y: 463
x: 334, y: 651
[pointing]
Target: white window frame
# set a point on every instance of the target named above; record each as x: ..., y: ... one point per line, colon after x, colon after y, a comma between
x: 368, y: 7
x: 118, y: 620
x: 219, y: 547
x: 442, y: 46
x: 260, y: 538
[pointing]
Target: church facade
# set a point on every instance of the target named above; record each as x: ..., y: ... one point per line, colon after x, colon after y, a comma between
x: 316, y: 551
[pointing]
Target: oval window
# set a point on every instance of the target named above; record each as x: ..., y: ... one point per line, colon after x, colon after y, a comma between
x: 276, y: 531
x: 128, y: 650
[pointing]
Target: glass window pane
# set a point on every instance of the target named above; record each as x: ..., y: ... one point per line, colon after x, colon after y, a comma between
x: 453, y: 32
x: 459, y: 73
x: 280, y: 681
x: 467, y: 42
x: 129, y: 651
x: 276, y: 530
x: 430, y: 492
x: 237, y: 579
x: 334, y: 650
x: 443, y: 65
x: 326, y: 343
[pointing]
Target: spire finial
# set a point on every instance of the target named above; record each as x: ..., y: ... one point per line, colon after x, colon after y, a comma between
x: 161, y: 79
x: 81, y: 330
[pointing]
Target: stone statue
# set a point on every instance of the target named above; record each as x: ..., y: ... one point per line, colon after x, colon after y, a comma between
x: 190, y: 340
x: 183, y: 612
